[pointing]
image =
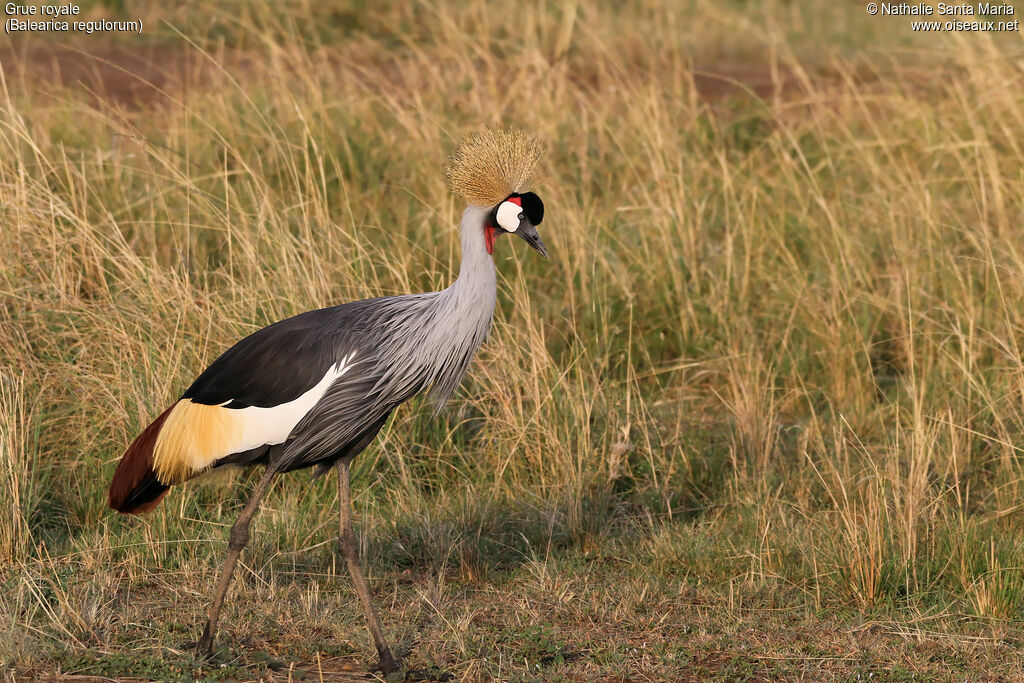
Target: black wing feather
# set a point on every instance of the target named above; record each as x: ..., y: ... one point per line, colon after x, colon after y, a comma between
x: 280, y: 362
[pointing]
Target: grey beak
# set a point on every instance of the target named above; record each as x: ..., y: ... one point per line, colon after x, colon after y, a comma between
x: 531, y: 237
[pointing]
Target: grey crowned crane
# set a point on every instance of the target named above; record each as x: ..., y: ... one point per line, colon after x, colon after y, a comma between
x: 315, y: 389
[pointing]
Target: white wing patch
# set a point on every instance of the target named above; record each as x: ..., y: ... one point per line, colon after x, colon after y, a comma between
x: 270, y: 426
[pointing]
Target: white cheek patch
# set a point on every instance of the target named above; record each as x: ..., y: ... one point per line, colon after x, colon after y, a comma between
x: 508, y: 216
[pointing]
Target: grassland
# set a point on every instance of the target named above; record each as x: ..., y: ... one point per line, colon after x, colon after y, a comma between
x: 759, y: 417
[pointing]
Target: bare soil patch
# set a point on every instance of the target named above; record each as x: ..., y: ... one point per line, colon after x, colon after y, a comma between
x: 154, y: 75
x: 133, y: 78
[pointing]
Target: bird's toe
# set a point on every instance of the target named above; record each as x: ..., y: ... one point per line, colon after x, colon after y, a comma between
x: 203, y: 648
x: 390, y: 666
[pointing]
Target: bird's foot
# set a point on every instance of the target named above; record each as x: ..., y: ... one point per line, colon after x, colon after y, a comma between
x: 204, y: 646
x: 400, y: 673
x: 389, y: 666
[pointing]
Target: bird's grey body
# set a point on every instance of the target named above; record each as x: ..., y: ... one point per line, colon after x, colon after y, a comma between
x: 393, y: 348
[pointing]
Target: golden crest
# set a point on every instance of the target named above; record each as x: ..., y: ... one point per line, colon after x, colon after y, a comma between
x: 489, y: 166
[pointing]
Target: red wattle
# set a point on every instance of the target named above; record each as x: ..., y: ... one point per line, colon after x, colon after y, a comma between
x: 489, y: 233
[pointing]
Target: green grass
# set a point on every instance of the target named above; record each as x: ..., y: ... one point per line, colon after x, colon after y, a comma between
x: 757, y: 418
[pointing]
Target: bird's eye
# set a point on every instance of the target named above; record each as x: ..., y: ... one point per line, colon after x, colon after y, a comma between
x: 508, y: 216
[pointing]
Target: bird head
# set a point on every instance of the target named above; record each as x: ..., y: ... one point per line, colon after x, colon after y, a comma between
x: 519, y: 214
x: 494, y: 169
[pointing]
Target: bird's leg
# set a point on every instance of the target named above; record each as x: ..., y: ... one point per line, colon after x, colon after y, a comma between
x: 350, y: 548
x: 238, y: 539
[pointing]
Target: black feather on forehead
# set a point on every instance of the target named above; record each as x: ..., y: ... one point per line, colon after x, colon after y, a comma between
x: 533, y: 207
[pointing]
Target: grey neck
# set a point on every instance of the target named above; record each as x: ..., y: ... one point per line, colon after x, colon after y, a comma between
x: 463, y: 312
x: 476, y: 274
x: 431, y: 338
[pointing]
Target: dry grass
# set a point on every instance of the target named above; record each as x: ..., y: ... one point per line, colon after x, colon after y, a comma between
x: 757, y: 418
